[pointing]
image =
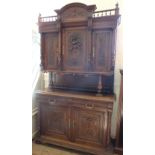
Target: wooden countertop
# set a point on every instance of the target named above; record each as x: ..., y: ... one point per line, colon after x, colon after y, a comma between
x: 77, y: 95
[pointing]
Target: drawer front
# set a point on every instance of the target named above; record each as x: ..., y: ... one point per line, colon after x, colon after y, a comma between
x: 53, y: 100
x: 74, y: 102
x: 91, y: 105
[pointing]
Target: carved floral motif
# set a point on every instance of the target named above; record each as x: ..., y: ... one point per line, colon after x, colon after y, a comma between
x: 90, y: 125
x: 75, y: 48
x: 75, y: 43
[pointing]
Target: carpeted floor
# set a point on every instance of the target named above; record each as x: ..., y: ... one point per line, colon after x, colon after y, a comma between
x: 38, y: 149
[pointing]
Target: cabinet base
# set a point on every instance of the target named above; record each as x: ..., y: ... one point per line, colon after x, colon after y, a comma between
x: 72, y: 145
x: 118, y: 150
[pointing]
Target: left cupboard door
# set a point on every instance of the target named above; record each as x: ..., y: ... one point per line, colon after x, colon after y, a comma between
x: 54, y: 121
x: 50, y: 51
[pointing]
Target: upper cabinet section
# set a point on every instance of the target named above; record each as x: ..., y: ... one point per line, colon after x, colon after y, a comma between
x: 79, y: 39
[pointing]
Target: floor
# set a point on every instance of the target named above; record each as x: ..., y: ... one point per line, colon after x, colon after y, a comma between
x: 38, y: 149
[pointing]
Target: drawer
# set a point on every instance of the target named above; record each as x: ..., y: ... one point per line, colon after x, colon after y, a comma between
x: 91, y: 105
x: 52, y: 100
x: 75, y: 102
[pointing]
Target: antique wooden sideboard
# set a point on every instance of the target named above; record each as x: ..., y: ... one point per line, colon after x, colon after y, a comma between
x: 78, y: 52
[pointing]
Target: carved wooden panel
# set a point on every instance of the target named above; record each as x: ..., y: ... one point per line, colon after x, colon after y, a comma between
x: 74, y: 49
x: 51, y: 50
x: 88, y: 126
x: 54, y: 121
x: 74, y: 14
x: 102, y: 50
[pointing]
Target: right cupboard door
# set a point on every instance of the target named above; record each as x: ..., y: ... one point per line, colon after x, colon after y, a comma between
x: 88, y: 127
x: 102, y: 50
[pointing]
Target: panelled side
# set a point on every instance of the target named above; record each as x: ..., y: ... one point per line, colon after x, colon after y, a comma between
x: 102, y: 50
x: 50, y: 51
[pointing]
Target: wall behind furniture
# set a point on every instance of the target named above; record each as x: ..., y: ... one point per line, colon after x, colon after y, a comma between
x: 37, y: 77
x: 47, y: 7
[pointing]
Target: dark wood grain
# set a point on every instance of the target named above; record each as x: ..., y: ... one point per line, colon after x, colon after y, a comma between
x: 82, y: 119
x: 78, y: 50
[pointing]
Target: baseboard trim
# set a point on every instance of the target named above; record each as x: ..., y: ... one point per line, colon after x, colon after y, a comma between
x: 117, y: 150
x: 35, y: 111
x: 34, y: 134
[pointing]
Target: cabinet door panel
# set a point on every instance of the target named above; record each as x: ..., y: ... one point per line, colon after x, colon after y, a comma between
x: 102, y: 50
x: 54, y: 121
x: 51, y: 50
x: 88, y: 126
x: 74, y: 49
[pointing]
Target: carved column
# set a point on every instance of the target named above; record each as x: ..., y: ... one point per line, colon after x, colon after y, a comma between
x: 99, y: 91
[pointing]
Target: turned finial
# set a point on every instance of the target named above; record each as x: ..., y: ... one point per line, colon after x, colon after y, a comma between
x: 116, y: 5
x: 117, y: 9
x: 39, y: 17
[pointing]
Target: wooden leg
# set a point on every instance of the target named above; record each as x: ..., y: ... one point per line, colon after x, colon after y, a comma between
x: 38, y: 141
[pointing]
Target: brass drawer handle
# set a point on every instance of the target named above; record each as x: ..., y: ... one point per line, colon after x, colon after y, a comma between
x: 69, y: 124
x: 51, y: 102
x: 93, y: 52
x: 73, y: 124
x: 89, y: 106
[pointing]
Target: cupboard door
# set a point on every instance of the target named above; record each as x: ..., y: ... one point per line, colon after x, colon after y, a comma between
x: 88, y: 127
x: 74, y: 49
x: 51, y: 50
x: 54, y: 121
x: 102, y: 50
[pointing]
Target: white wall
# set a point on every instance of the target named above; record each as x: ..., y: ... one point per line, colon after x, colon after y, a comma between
x: 45, y: 8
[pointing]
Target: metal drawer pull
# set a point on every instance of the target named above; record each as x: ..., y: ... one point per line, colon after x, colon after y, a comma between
x: 69, y: 124
x: 89, y: 106
x: 51, y: 102
x: 73, y: 124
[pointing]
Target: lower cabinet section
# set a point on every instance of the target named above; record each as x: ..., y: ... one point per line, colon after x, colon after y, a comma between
x: 75, y: 121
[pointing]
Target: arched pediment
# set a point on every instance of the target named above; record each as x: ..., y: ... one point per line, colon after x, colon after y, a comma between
x: 75, y: 11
